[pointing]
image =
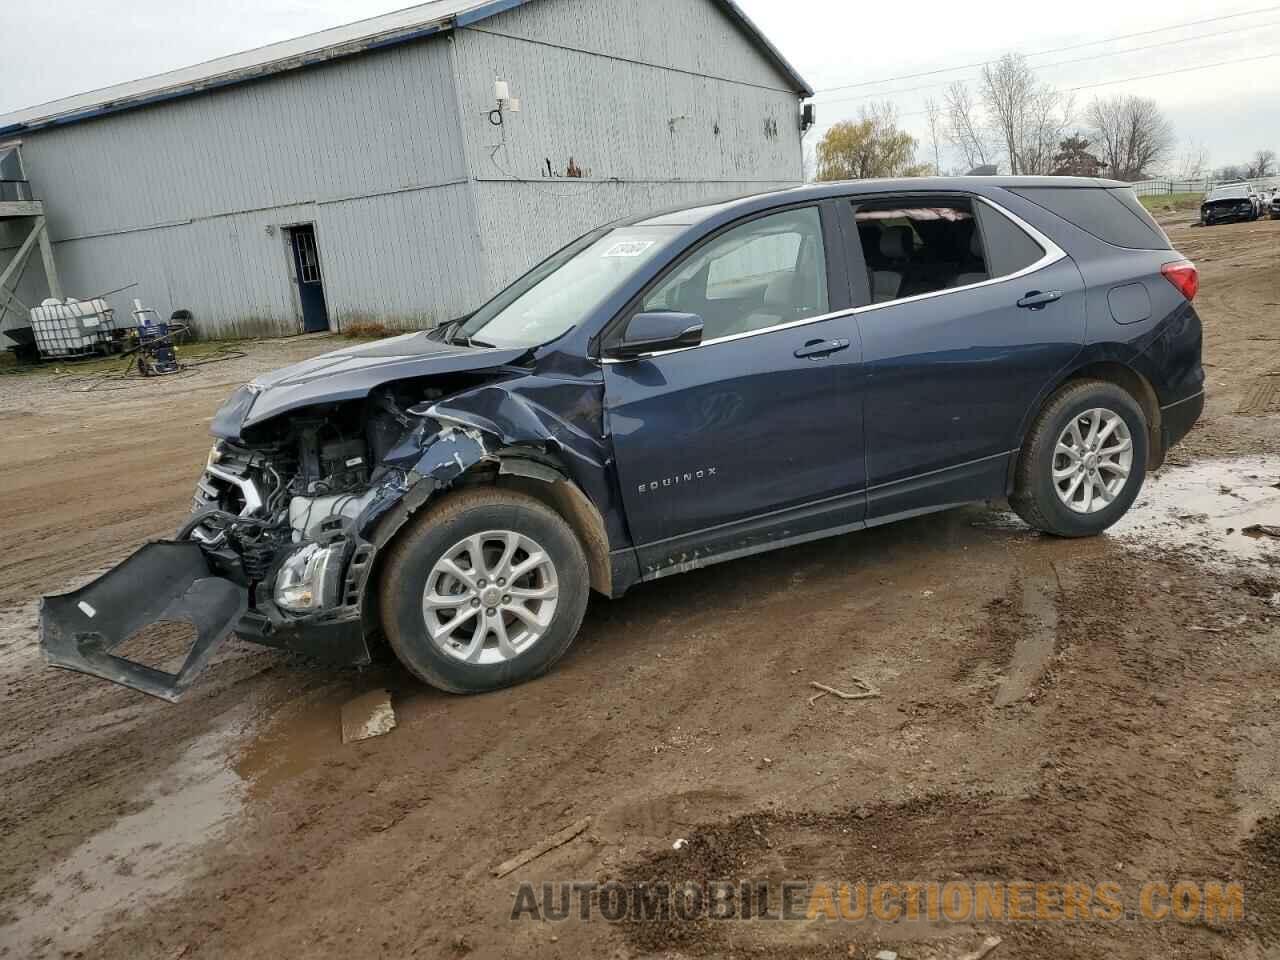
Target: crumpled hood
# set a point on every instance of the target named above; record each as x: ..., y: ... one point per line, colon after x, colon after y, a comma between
x: 349, y: 374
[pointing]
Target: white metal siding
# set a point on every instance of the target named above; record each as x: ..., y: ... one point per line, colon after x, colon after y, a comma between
x: 179, y: 197
x: 379, y: 122
x: 391, y: 155
x: 689, y: 35
x: 514, y: 216
x: 406, y: 260
x: 646, y: 136
x: 619, y: 120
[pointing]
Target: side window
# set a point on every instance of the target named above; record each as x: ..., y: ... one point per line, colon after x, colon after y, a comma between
x: 912, y: 247
x: 767, y: 271
x: 1009, y: 249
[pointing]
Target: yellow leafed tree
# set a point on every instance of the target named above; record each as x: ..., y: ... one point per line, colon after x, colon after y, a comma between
x: 871, y: 146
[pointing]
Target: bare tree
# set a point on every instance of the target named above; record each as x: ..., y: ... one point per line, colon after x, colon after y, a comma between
x: 933, y: 111
x: 1030, y: 118
x: 1131, y: 133
x: 1263, y: 164
x: 965, y: 129
x: 1193, y: 162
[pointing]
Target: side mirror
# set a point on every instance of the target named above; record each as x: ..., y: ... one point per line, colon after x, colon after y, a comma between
x: 651, y: 332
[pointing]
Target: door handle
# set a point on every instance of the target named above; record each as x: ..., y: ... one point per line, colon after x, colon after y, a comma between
x: 1037, y: 300
x: 817, y: 349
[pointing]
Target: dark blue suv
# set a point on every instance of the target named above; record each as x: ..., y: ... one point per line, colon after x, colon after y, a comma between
x: 669, y: 392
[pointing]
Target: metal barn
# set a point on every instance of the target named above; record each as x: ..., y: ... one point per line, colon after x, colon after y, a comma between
x: 398, y: 170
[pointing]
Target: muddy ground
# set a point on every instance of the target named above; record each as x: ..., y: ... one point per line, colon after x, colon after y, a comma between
x: 1101, y: 711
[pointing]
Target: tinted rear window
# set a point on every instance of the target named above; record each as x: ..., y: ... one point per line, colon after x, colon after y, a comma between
x: 1115, y: 216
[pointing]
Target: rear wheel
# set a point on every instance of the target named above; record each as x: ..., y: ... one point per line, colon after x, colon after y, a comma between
x: 1083, y: 461
x: 486, y: 589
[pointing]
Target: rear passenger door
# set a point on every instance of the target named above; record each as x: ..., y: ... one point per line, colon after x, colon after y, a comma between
x: 966, y: 313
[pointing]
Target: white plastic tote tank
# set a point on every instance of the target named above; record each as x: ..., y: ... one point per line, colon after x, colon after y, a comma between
x: 69, y: 328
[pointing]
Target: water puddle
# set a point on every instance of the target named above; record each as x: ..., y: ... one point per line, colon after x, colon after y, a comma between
x: 1208, y: 508
x: 142, y: 857
x: 298, y: 738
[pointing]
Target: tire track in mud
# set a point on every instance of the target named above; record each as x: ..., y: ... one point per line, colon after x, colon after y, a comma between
x: 1262, y: 397
x: 1134, y: 720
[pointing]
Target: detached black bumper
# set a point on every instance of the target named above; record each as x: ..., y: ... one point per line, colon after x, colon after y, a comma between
x: 163, y: 582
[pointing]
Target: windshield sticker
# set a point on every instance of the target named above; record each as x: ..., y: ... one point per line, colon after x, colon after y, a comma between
x: 628, y: 248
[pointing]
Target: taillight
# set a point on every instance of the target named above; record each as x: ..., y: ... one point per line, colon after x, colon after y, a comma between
x: 1182, y: 275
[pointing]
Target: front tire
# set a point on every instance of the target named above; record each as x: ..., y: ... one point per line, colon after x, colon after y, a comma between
x: 485, y: 589
x: 1083, y: 461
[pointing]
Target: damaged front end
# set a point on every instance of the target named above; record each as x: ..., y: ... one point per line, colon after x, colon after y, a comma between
x: 268, y: 553
x: 289, y: 516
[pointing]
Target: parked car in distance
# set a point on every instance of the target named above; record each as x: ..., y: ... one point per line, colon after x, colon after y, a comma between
x: 1228, y: 202
x: 668, y: 392
x: 1274, y: 205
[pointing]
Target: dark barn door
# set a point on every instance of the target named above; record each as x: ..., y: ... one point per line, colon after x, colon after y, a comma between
x: 306, y: 266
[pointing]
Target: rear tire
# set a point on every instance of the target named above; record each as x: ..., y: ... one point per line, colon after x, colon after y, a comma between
x: 450, y: 613
x: 1065, y: 483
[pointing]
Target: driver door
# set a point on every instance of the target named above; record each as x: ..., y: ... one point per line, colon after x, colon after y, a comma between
x: 754, y: 437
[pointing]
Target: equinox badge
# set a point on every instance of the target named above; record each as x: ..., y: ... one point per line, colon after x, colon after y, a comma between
x: 678, y: 479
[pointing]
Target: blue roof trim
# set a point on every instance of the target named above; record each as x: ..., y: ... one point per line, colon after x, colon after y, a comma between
x: 481, y: 11
x: 396, y: 41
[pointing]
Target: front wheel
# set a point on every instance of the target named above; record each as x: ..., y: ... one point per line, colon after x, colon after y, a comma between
x: 1083, y: 461
x: 486, y: 589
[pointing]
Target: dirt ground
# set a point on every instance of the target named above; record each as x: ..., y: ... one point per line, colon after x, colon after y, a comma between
x: 1101, y: 711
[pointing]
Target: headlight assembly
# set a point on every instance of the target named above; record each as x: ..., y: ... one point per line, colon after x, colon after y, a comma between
x: 307, y: 580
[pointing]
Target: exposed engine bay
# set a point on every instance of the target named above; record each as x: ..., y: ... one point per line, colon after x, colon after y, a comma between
x: 284, y: 510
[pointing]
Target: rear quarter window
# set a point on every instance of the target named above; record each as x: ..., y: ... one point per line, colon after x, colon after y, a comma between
x: 1112, y: 215
x: 1008, y: 248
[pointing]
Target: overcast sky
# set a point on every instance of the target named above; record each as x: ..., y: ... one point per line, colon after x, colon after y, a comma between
x: 54, y: 48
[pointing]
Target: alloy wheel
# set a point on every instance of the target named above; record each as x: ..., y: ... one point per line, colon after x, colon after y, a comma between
x: 1092, y: 460
x: 490, y: 597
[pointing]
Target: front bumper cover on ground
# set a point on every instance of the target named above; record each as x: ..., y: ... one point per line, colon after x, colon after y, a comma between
x: 165, y: 581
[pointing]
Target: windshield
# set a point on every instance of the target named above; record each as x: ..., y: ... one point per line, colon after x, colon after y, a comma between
x: 1229, y: 193
x: 561, y: 292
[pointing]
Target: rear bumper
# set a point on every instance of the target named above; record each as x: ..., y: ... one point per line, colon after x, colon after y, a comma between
x: 1178, y: 418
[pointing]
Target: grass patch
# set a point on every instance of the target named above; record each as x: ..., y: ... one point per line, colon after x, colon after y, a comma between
x: 368, y: 330
x: 1171, y: 202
